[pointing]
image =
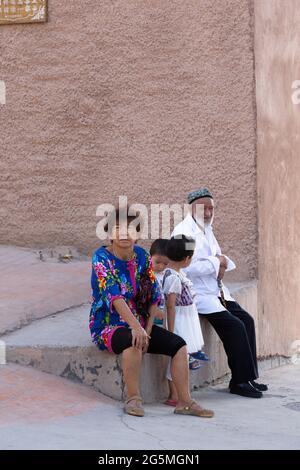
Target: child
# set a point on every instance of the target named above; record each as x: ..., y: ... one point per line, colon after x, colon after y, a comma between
x: 159, y: 263
x: 182, y: 315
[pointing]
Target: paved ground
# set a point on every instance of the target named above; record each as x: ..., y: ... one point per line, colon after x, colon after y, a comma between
x: 40, y: 411
x: 31, y: 288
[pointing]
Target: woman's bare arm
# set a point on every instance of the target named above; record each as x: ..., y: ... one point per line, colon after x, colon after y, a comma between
x: 139, y: 335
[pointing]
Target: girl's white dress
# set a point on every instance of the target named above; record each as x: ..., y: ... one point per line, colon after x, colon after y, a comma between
x: 187, y: 322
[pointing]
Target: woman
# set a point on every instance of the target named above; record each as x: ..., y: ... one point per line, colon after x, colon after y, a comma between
x: 125, y: 297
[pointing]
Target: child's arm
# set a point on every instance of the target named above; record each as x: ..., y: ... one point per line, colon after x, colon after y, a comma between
x: 154, y: 312
x: 150, y: 321
x: 149, y: 324
x: 171, y: 301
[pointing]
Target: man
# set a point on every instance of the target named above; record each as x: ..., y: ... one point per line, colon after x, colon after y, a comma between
x: 234, y: 325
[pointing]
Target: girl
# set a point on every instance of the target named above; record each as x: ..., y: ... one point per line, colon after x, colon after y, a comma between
x: 182, y: 315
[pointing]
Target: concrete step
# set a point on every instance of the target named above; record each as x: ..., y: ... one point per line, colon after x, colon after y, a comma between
x: 61, y: 344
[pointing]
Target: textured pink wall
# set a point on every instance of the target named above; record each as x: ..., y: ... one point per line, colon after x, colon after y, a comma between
x: 278, y: 171
x: 144, y: 98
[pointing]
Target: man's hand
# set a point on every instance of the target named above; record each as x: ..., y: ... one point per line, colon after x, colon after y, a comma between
x: 221, y: 272
x: 223, y: 261
x: 223, y: 266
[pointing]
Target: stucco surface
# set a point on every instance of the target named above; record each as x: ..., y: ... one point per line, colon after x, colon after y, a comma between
x: 147, y: 99
x: 277, y: 43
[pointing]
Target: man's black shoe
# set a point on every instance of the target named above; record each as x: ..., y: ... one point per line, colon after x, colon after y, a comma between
x: 245, y: 390
x: 260, y: 387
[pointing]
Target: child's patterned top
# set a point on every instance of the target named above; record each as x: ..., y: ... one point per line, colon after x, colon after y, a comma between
x: 178, y: 283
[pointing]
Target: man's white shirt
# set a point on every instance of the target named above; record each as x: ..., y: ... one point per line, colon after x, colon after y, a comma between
x: 204, y: 268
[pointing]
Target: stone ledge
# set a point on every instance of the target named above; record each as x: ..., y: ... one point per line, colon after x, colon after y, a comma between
x: 61, y: 345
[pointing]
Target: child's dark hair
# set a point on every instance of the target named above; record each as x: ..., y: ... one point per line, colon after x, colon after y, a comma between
x: 158, y: 247
x: 179, y: 247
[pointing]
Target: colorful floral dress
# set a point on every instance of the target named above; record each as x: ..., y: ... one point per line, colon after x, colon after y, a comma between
x: 113, y: 278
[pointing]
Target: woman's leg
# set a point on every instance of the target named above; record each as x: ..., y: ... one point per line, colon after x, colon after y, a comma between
x: 180, y: 375
x: 131, y: 365
x: 165, y: 342
x: 121, y: 342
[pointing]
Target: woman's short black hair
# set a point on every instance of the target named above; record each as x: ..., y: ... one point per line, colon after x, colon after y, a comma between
x: 179, y: 247
x: 115, y: 217
x: 158, y: 247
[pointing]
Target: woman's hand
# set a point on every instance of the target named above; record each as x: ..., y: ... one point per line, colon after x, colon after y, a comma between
x: 140, y: 338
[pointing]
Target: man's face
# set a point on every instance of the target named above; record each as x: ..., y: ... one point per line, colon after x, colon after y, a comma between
x: 203, y: 207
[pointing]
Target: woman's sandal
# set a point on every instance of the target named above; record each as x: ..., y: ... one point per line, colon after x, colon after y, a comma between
x: 134, y: 410
x: 189, y: 410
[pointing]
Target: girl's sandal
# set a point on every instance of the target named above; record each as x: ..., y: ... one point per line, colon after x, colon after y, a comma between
x: 195, y: 364
x: 171, y: 402
x: 189, y: 410
x: 134, y: 409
